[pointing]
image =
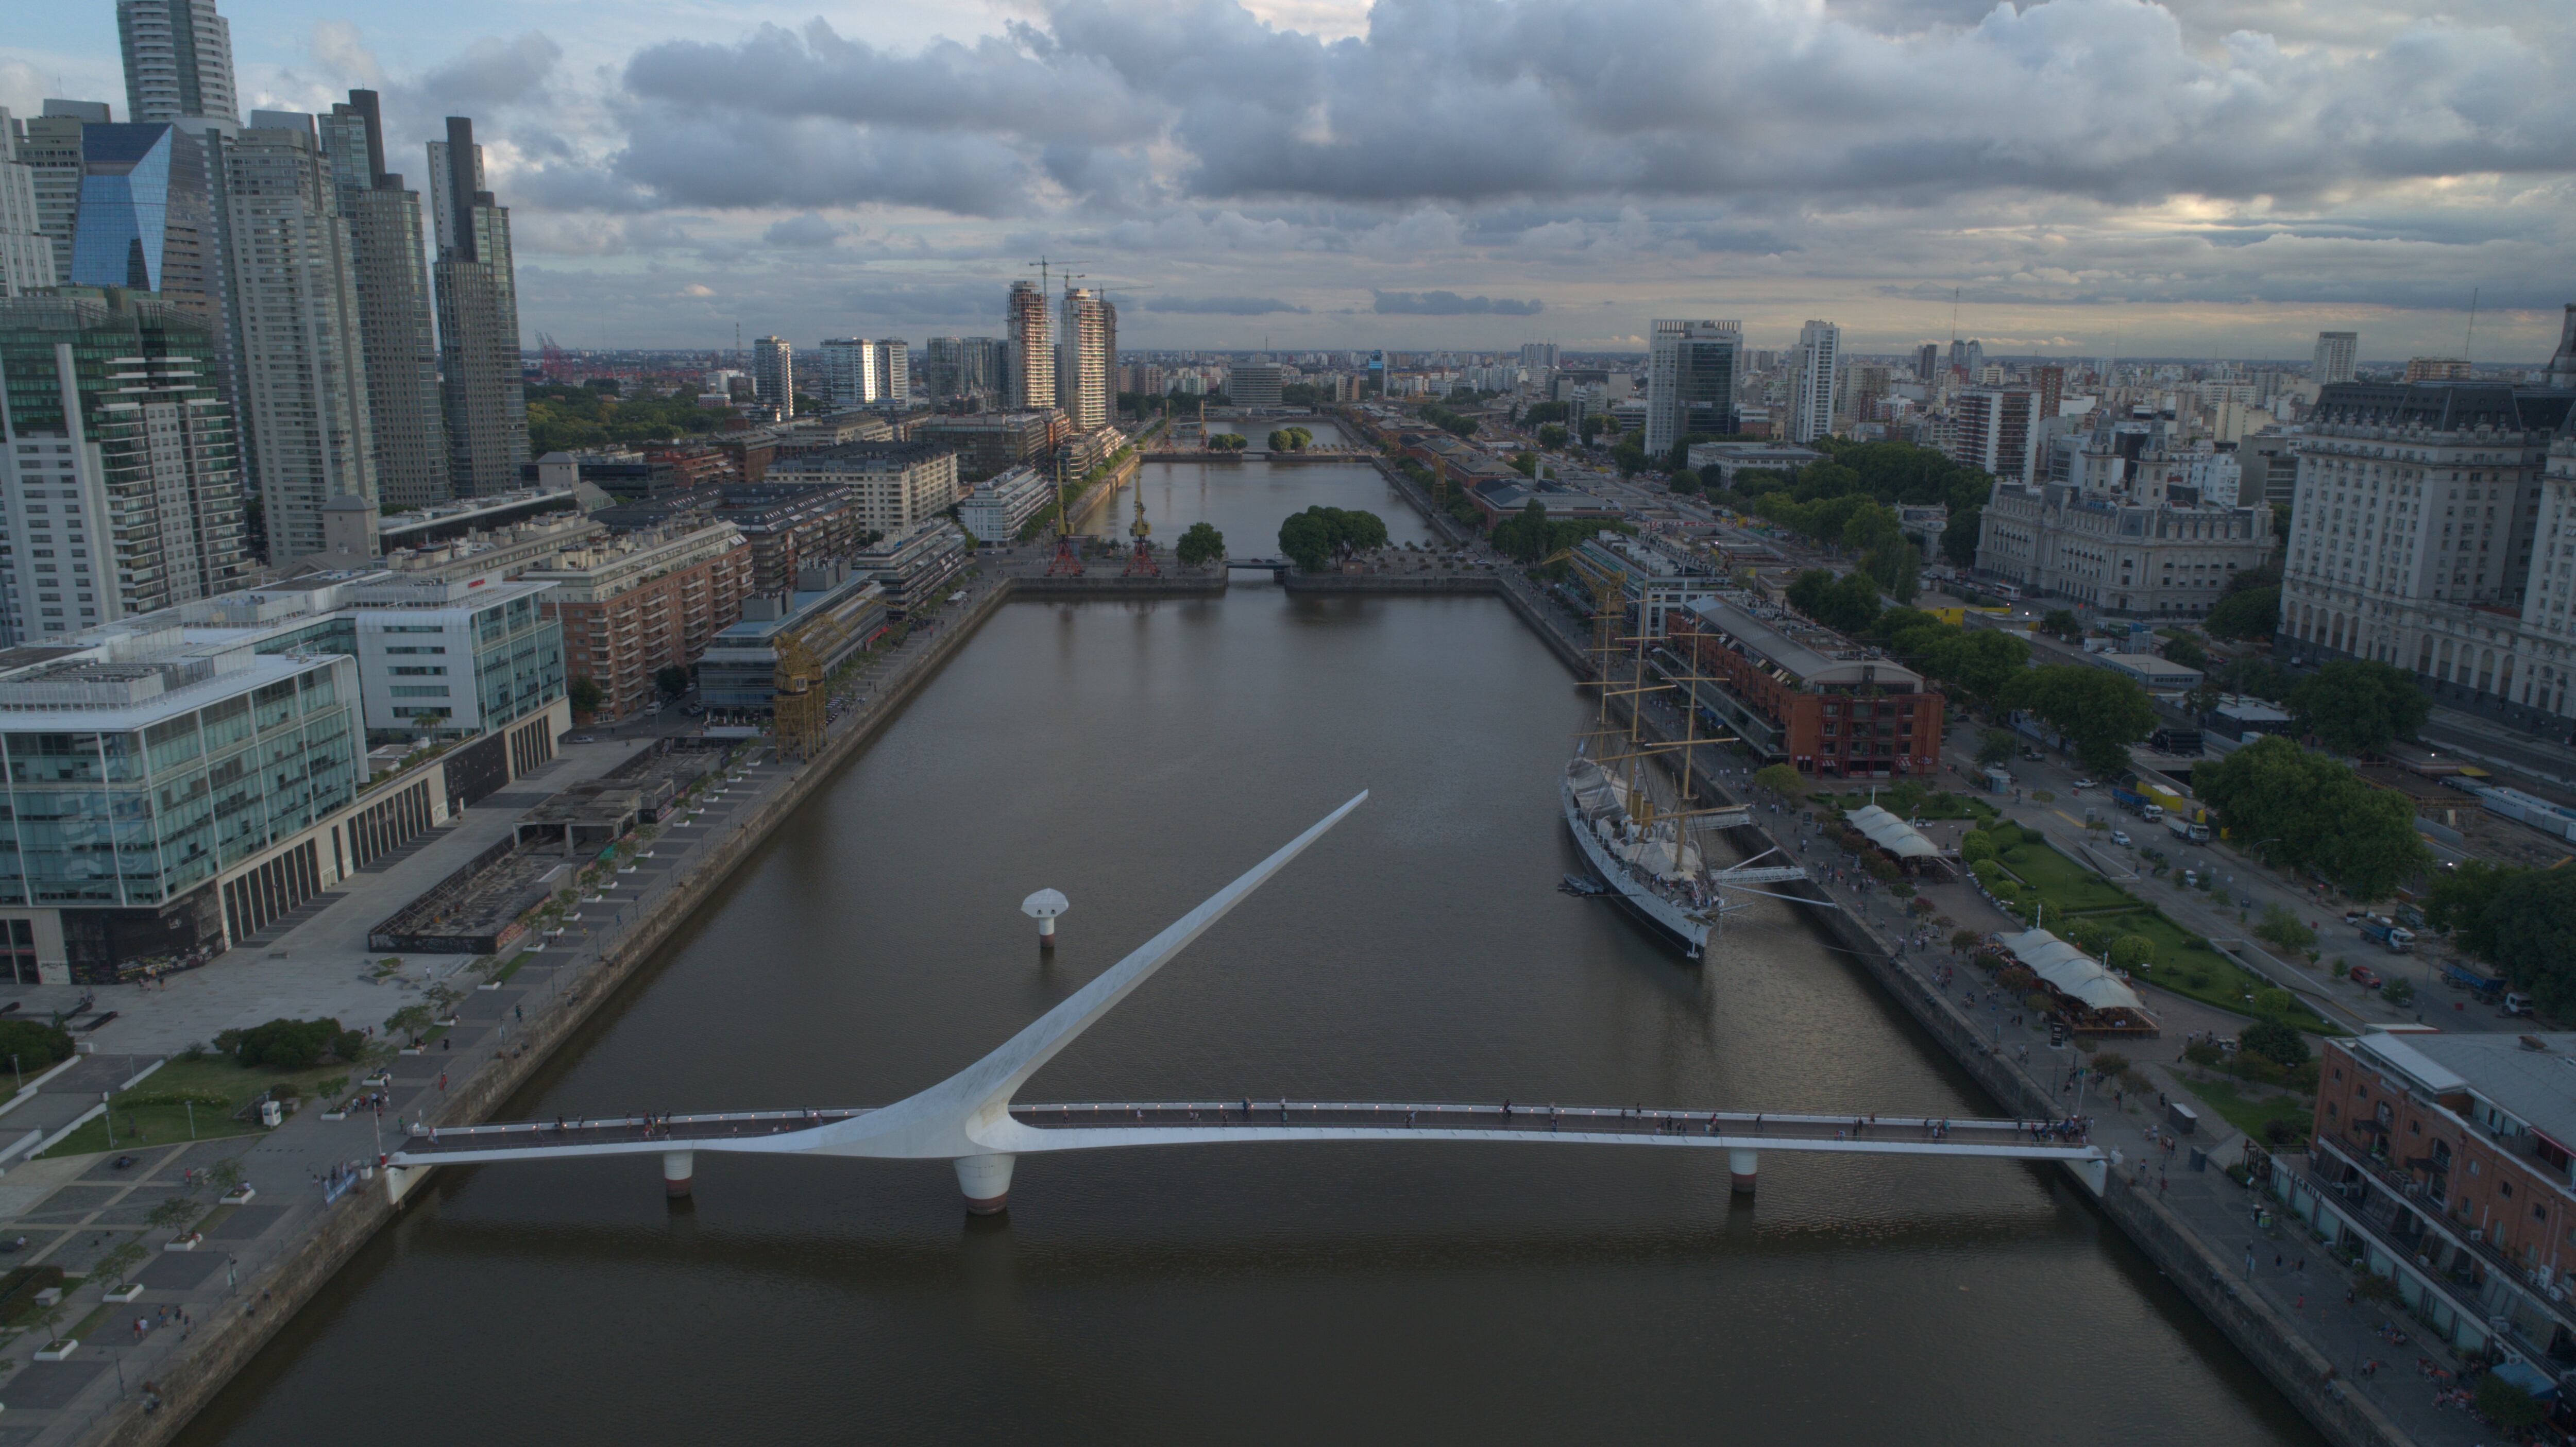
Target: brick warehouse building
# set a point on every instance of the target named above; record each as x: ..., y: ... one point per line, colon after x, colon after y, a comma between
x: 1806, y: 696
x: 2445, y: 1159
x: 640, y: 602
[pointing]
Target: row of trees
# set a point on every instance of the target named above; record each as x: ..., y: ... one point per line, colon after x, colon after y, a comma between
x: 1290, y: 439
x: 1226, y: 442
x: 2522, y: 920
x: 571, y: 419
x: 1448, y: 421
x: 1889, y: 473
x: 1858, y: 522
x: 2356, y: 706
x: 1528, y: 536
x: 1976, y: 664
x: 2302, y: 810
x: 1319, y: 536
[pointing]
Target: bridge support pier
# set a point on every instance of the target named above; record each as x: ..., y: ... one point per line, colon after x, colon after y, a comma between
x: 986, y: 1180
x: 1741, y: 1167
x: 677, y: 1169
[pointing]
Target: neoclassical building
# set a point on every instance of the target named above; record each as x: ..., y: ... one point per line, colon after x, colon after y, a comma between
x: 2434, y: 529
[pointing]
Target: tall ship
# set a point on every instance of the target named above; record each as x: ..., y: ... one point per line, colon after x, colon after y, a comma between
x: 1633, y: 824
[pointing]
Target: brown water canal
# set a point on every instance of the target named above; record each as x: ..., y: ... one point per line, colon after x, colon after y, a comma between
x: 1137, y: 757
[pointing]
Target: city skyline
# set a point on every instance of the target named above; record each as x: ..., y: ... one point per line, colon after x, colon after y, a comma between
x: 879, y: 171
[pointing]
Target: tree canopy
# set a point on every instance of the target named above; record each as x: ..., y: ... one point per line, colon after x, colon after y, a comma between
x: 1290, y: 439
x: 1978, y: 663
x: 2099, y: 712
x: 2306, y: 810
x: 1315, y: 538
x: 1201, y: 544
x: 570, y: 419
x: 1847, y: 604
x: 1528, y: 536
x: 1448, y: 421
x: 2250, y: 615
x: 2357, y: 706
x: 292, y: 1044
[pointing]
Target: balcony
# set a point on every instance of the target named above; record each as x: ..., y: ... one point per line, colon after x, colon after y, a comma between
x: 2406, y: 1220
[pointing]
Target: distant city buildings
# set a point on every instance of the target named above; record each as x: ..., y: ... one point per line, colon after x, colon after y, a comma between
x: 1993, y: 430
x: 1254, y: 384
x: 893, y: 486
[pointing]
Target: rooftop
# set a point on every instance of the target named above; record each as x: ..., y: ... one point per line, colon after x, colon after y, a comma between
x: 2534, y: 1086
x: 1810, y: 654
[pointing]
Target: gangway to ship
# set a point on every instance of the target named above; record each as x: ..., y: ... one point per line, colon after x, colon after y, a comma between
x: 972, y: 1120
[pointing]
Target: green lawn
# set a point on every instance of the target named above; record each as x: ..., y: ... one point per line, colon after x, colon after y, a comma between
x: 2254, y: 1116
x: 2186, y: 965
x: 215, y: 1077
x: 2068, y: 887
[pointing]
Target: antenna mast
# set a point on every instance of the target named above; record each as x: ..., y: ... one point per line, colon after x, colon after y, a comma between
x: 2469, y: 344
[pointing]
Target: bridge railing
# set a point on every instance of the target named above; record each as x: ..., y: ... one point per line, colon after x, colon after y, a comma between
x: 1753, y: 1121
x: 489, y: 1134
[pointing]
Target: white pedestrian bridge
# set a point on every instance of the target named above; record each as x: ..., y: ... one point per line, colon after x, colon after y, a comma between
x: 972, y: 1120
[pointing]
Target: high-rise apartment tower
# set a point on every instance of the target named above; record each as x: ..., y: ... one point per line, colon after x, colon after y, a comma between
x: 773, y: 374
x: 478, y: 321
x: 1812, y: 369
x: 2338, y: 357
x: 298, y: 376
x: 1086, y: 367
x: 1691, y: 372
x: 406, y: 417
x: 178, y: 61
x: 26, y: 256
x: 120, y: 490
x: 1032, y: 340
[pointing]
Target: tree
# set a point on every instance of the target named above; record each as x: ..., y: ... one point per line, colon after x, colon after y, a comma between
x: 1525, y: 463
x: 411, y: 1020
x: 1847, y: 604
x: 2099, y: 712
x: 2509, y: 1406
x: 1313, y: 539
x: 1630, y: 456
x: 1959, y: 538
x: 2275, y: 1041
x: 2063, y: 625
x: 2356, y: 706
x: 672, y: 679
x: 1780, y: 779
x: 2133, y: 952
x: 2182, y: 648
x: 35, y: 1045
x: 2459, y: 900
x: 2304, y: 810
x: 1551, y: 435
x: 1995, y: 746
x: 2251, y: 615
x: 586, y: 695
x: 1201, y: 544
x: 291, y: 1044
x: 1684, y: 483
x: 2533, y: 923
x: 1591, y: 426
x: 2280, y: 927
x: 2399, y: 992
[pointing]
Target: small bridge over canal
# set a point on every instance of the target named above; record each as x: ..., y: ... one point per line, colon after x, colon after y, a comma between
x: 972, y: 1120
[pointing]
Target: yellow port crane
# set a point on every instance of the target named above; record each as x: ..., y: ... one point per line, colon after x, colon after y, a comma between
x: 801, y: 709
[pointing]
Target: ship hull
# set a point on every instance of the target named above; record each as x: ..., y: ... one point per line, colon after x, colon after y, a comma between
x: 1661, y: 916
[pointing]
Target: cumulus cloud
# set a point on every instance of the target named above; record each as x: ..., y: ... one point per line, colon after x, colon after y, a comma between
x: 1220, y: 306
x: 1450, y: 304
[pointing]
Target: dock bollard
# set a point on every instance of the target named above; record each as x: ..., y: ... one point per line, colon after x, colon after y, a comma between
x: 1043, y: 907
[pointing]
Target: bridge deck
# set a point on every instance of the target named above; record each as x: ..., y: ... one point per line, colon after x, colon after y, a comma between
x: 1097, y: 1125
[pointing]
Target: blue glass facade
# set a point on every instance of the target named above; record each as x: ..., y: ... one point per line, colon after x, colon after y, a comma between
x: 122, y: 237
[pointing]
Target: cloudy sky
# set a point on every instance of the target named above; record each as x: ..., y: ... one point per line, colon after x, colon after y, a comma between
x: 2090, y: 176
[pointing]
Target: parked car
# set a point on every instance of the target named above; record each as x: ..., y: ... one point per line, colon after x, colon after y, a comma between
x: 2364, y: 976
x: 2120, y: 837
x: 2082, y: 784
